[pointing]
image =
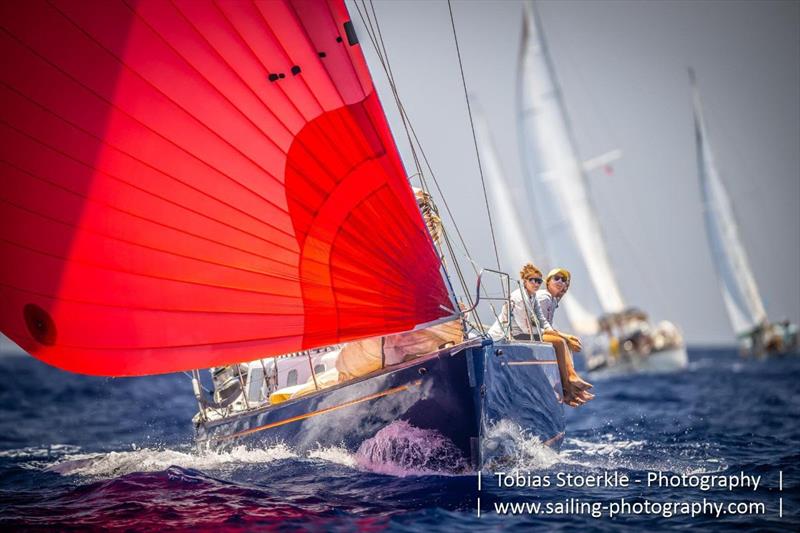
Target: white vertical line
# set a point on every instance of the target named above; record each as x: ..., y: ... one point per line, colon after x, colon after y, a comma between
x: 780, y: 480
x: 780, y: 508
x: 479, y: 507
x: 479, y: 480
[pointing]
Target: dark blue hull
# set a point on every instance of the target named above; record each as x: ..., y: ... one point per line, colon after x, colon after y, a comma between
x: 460, y: 393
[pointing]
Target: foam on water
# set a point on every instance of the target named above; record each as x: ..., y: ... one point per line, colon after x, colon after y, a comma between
x: 40, y: 452
x: 506, y: 446
x: 401, y: 449
x: 113, y: 464
x: 335, y: 455
x: 610, y: 452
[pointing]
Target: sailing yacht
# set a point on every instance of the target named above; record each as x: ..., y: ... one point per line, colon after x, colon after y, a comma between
x: 623, y: 338
x: 743, y: 302
x: 193, y: 185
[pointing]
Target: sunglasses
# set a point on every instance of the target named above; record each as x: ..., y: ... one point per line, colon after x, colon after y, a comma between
x: 559, y: 277
x: 535, y: 280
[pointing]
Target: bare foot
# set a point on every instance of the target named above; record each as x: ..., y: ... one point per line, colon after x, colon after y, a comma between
x: 579, y: 384
x: 576, y: 398
x: 572, y: 401
x: 586, y: 395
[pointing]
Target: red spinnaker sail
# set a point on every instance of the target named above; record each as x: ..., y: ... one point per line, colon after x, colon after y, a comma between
x: 191, y: 183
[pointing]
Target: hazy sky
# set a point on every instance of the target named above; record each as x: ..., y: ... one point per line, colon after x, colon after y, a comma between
x: 622, y: 68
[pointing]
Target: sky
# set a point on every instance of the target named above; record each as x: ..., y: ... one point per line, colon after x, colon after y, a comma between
x: 622, y: 69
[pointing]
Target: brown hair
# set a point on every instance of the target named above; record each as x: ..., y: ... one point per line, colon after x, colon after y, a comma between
x: 529, y: 271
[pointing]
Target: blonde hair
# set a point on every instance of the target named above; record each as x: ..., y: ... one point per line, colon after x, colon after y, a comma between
x: 529, y: 271
x: 563, y: 271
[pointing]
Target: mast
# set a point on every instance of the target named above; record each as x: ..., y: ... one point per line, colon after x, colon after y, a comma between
x: 739, y: 290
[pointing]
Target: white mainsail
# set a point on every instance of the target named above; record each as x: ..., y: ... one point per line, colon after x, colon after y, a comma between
x: 739, y: 290
x: 568, y: 224
x: 515, y: 246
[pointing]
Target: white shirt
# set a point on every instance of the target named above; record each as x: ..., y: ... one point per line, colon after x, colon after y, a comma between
x: 519, y: 316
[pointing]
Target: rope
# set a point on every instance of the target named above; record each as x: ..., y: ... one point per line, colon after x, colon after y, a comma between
x: 413, y: 138
x: 474, y: 138
x: 376, y: 38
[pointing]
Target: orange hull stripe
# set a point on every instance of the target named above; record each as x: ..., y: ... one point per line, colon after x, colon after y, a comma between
x: 297, y: 418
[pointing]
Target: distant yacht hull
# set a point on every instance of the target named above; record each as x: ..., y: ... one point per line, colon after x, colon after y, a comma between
x: 657, y: 362
x: 459, y: 392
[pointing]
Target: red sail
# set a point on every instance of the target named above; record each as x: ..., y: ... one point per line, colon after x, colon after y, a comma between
x: 188, y: 184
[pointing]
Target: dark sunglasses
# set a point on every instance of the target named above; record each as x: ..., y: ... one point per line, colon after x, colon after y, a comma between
x: 559, y: 277
x: 535, y: 280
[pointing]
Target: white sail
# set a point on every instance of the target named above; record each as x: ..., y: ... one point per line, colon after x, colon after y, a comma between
x: 739, y: 290
x: 568, y: 223
x: 514, y: 244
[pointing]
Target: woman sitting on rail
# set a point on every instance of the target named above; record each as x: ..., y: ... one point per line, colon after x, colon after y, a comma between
x: 576, y: 390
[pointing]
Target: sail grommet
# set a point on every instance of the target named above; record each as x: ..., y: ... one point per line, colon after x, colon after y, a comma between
x: 498, y: 352
x: 422, y: 371
x: 40, y: 324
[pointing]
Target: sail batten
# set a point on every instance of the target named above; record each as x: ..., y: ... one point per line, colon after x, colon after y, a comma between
x: 739, y: 290
x: 193, y: 184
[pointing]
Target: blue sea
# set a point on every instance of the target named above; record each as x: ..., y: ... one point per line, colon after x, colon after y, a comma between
x: 81, y: 453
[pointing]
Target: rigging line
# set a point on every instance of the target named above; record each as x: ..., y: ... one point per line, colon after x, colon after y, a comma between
x: 394, y: 85
x: 461, y: 279
x: 384, y: 60
x: 383, y: 57
x: 407, y: 120
x: 474, y: 138
x: 185, y: 373
x: 408, y: 126
x: 439, y: 190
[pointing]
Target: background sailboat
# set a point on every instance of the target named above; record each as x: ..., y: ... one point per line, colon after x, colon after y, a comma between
x: 738, y: 285
x: 568, y: 224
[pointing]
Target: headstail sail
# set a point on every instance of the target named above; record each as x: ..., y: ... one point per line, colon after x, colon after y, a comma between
x: 739, y: 290
x: 188, y: 184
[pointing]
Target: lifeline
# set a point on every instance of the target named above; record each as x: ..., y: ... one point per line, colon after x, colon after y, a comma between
x: 703, y: 482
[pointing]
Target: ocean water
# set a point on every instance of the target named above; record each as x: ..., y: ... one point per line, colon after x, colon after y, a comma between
x: 80, y: 453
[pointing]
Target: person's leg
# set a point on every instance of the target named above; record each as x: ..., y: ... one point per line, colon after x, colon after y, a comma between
x: 575, y: 389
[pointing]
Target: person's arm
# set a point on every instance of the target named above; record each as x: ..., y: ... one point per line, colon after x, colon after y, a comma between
x: 541, y: 308
x: 545, y: 303
x: 497, y: 331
